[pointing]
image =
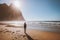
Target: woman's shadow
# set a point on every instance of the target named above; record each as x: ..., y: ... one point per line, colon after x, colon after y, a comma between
x: 29, y: 38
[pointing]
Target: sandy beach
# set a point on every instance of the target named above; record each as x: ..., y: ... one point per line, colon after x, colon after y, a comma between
x: 43, y: 35
x: 10, y: 33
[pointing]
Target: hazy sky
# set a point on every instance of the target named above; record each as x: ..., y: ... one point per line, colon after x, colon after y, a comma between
x: 39, y: 9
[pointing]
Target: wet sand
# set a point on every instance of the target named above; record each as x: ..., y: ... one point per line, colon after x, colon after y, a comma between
x: 10, y: 33
x: 43, y: 35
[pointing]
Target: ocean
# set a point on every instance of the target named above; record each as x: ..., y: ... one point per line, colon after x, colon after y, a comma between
x: 36, y: 25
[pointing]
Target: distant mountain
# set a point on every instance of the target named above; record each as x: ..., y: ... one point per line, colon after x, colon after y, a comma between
x: 10, y: 13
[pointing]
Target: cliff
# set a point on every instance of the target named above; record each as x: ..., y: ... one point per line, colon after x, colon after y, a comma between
x: 10, y: 13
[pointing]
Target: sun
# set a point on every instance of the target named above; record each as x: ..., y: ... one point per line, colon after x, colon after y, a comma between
x: 17, y: 4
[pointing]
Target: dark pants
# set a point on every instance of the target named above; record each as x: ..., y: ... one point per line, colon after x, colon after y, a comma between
x: 24, y: 29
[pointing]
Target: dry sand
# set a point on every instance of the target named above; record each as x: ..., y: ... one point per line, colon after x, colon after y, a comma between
x: 10, y: 33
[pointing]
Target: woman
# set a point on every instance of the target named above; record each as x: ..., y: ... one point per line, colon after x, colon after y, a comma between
x: 25, y: 27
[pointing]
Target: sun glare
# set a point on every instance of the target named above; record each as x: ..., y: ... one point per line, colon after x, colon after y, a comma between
x: 17, y: 4
x: 17, y: 23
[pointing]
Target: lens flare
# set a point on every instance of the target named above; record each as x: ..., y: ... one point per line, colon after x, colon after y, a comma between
x: 17, y: 4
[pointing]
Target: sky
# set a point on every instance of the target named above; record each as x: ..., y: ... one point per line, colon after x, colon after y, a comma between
x: 38, y: 10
